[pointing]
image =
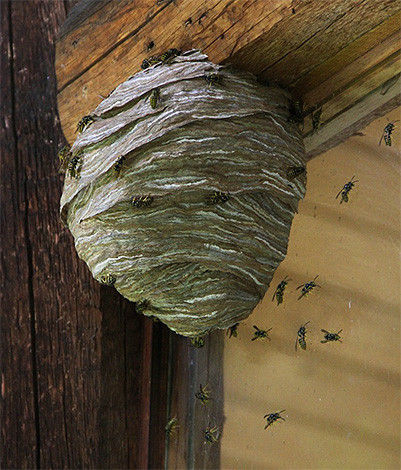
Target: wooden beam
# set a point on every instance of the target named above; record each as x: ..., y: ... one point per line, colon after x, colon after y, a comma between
x: 379, y: 102
x: 320, y: 49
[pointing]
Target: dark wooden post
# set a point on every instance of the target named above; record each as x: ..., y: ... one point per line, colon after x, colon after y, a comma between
x: 79, y: 366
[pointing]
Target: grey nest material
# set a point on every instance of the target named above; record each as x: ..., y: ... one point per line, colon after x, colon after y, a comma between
x: 211, y: 161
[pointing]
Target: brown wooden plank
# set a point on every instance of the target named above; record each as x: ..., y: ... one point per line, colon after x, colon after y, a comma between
x: 353, y: 72
x: 357, y: 89
x: 19, y: 444
x: 181, y: 402
x: 207, y: 25
x: 96, y: 32
x: 351, y: 24
x: 81, y: 14
x: 76, y: 358
x: 379, y: 102
x: 365, y: 46
x: 193, y: 367
x: 224, y: 27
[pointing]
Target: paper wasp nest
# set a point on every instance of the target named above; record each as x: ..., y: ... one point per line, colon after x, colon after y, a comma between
x: 194, y: 219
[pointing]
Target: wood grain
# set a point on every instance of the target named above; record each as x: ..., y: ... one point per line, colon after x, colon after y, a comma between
x: 318, y: 49
x: 76, y: 358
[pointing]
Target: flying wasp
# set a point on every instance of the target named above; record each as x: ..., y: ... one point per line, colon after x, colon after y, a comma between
x: 154, y: 98
x: 64, y: 156
x: 142, y: 201
x: 197, y: 342
x: 307, y: 287
x: 232, y: 331
x: 301, y: 337
x: 273, y: 417
x: 212, y: 78
x: 279, y: 292
x: 388, y: 130
x: 261, y: 334
x: 209, y: 435
x: 107, y: 279
x: 203, y: 395
x: 84, y: 123
x: 331, y: 336
x: 316, y: 122
x: 74, y: 166
x: 297, y: 112
x: 119, y: 163
x: 171, y: 426
x: 346, y: 189
x: 217, y: 197
x: 294, y: 171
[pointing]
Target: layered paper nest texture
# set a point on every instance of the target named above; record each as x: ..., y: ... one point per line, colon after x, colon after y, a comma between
x: 213, y: 158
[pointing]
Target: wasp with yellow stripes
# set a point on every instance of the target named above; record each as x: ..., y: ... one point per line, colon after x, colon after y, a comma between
x: 261, y: 334
x: 307, y: 287
x: 217, y: 197
x: 213, y: 78
x: 84, y: 123
x: 154, y: 98
x: 210, y: 435
x: 272, y: 418
x: 279, y: 292
x: 142, y: 201
x: 346, y: 189
x: 331, y: 336
x: 301, y: 337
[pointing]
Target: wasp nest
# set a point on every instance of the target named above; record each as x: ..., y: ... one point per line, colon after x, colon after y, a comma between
x: 177, y: 191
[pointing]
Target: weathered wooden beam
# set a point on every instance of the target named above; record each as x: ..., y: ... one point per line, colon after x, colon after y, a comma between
x: 376, y: 104
x: 316, y: 48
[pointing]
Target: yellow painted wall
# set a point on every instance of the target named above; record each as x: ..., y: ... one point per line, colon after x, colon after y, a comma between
x: 342, y: 401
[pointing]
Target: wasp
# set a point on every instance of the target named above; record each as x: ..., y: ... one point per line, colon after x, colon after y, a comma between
x: 217, y: 197
x: 232, y: 331
x: 331, y: 336
x: 171, y: 426
x: 74, y: 166
x: 296, y: 112
x: 279, y: 292
x: 64, y: 156
x: 107, y: 279
x: 150, y: 61
x: 307, y: 287
x: 154, y: 98
x: 141, y: 201
x: 143, y: 305
x: 153, y: 318
x: 301, y: 337
x: 197, y: 342
x: 169, y: 55
x: 203, y: 395
x: 119, y: 163
x: 84, y: 123
x: 388, y: 130
x: 213, y: 78
x: 316, y: 122
x: 273, y: 417
x: 261, y: 334
x: 209, y: 435
x: 346, y: 189
x: 294, y: 171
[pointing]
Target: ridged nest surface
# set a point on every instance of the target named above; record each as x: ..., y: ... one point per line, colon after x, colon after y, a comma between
x: 194, y: 219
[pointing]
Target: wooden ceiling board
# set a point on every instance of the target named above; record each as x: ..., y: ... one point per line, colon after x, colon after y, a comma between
x: 333, y: 54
